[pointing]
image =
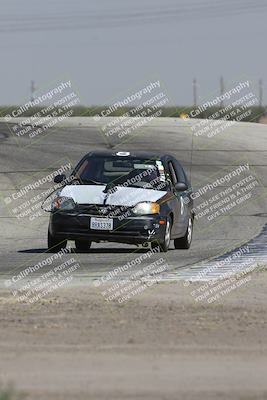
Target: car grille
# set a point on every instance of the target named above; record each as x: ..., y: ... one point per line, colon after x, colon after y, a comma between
x: 102, y: 210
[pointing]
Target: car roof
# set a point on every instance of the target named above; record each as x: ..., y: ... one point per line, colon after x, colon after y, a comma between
x: 133, y: 154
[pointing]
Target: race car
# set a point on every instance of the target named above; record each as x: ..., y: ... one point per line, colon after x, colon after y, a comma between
x: 126, y: 197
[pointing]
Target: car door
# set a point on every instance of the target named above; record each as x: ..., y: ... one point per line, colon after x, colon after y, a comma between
x: 175, y: 202
x: 185, y: 196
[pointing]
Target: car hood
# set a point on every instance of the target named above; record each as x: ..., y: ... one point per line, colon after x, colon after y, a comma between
x: 123, y: 196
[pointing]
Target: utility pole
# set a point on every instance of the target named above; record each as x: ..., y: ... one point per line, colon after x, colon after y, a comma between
x: 221, y: 90
x: 260, y: 93
x: 195, y: 92
x: 33, y: 88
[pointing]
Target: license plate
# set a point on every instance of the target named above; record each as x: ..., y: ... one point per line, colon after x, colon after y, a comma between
x: 103, y: 224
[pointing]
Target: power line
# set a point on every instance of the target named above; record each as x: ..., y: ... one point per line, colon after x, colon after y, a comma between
x: 260, y: 92
x: 186, y: 8
x: 65, y: 22
x: 33, y: 88
x: 195, y: 92
x: 221, y: 90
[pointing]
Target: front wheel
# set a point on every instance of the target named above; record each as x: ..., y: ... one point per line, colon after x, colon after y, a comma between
x: 165, y: 242
x: 185, y: 241
x: 54, y: 245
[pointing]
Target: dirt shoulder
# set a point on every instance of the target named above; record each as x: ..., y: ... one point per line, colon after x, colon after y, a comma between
x: 161, y: 344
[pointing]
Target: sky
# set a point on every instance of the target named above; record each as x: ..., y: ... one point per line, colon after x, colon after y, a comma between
x: 107, y: 47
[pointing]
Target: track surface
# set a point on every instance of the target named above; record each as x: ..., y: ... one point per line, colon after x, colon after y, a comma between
x: 162, y: 344
x: 23, y: 243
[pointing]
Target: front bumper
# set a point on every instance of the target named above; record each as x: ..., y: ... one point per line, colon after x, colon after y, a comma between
x: 132, y: 230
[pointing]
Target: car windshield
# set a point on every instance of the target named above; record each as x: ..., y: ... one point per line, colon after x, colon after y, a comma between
x: 122, y: 171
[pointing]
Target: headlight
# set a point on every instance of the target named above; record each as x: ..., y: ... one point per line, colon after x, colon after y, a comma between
x: 63, y: 203
x: 146, y: 208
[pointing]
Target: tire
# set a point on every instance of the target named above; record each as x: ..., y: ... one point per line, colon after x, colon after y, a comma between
x: 165, y: 242
x: 82, y: 245
x: 54, y: 245
x: 185, y: 241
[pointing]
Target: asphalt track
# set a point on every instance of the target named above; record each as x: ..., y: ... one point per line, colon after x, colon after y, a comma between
x: 23, y: 242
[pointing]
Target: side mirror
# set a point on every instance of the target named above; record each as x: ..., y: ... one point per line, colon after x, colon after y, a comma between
x: 59, y: 178
x: 181, y: 186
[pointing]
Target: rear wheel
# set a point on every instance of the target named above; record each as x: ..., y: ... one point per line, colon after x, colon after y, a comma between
x: 185, y: 241
x: 54, y: 244
x: 82, y: 245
